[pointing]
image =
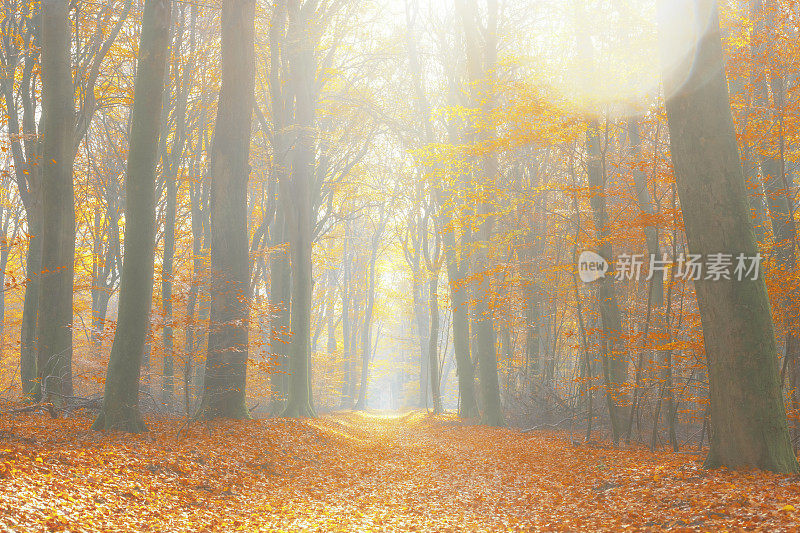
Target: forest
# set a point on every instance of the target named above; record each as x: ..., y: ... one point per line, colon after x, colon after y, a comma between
x: 399, y: 265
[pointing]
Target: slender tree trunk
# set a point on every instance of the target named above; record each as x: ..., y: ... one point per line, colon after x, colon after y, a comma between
x: 468, y: 407
x: 352, y: 374
x: 423, y: 335
x: 26, y: 151
x: 615, y: 366
x: 748, y: 417
x: 168, y: 334
x: 433, y: 261
x: 171, y: 163
x: 5, y: 248
x: 121, y: 401
x: 96, y: 283
x: 346, y: 333
x: 280, y: 262
x: 433, y: 342
x: 466, y: 376
x: 532, y: 342
x: 100, y: 298
x: 199, y: 211
x: 586, y: 363
x: 776, y: 190
x: 665, y: 361
x: 421, y: 318
x: 30, y: 305
x: 366, y: 331
x: 480, y: 75
x: 54, y: 326
x: 331, y: 342
x: 297, y: 196
x: 646, y: 205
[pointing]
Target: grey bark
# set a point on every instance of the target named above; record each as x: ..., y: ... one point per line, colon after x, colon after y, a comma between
x: 748, y: 417
x: 121, y: 400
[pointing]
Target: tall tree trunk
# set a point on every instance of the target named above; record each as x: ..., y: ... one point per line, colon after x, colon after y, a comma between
x: 352, y: 375
x: 200, y: 220
x: 5, y: 249
x: 748, y: 416
x: 613, y: 357
x: 530, y: 255
x: 481, y: 76
x: 433, y: 340
x: 25, y: 150
x: 332, y: 344
x: 106, y: 262
x: 532, y: 341
x: 423, y: 334
x: 121, y: 401
x: 776, y: 190
x: 171, y: 162
x: 347, y: 266
x: 615, y: 366
x: 97, y: 289
x: 411, y: 249
x: 168, y: 334
x: 297, y: 196
x: 280, y: 295
x: 100, y: 298
x: 54, y: 326
x: 226, y: 363
x: 468, y: 406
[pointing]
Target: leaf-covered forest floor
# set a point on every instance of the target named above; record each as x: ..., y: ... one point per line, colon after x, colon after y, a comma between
x: 363, y: 472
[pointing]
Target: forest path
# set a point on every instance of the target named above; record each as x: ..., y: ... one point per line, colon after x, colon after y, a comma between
x: 362, y: 472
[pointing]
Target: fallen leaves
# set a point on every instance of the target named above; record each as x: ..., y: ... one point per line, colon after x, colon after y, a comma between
x: 360, y: 472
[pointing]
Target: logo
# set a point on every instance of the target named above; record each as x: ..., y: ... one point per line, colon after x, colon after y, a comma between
x: 686, y: 267
x: 591, y: 267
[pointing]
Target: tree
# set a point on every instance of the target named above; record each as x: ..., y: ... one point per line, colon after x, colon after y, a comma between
x: 60, y: 144
x: 748, y: 417
x: 121, y: 401
x: 226, y: 364
x: 296, y: 192
x: 171, y: 164
x: 776, y: 185
x: 433, y: 260
x: 106, y: 242
x: 20, y: 44
x: 366, y: 331
x: 481, y: 65
x: 412, y: 250
x: 457, y: 263
x: 282, y: 107
x: 54, y: 327
x: 615, y: 367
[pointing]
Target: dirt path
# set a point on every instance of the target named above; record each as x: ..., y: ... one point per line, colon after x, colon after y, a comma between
x: 363, y: 472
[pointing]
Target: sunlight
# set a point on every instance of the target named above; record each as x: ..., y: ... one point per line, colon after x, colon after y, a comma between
x: 399, y: 265
x: 605, y: 56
